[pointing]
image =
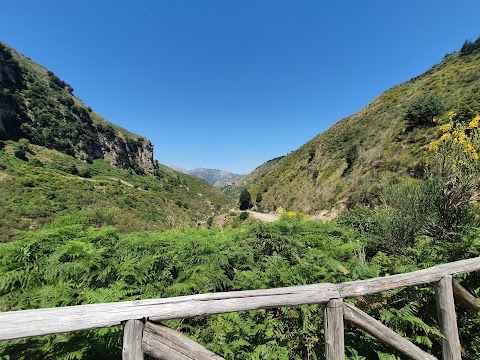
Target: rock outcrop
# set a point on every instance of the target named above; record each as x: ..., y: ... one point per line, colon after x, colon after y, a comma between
x: 37, y: 105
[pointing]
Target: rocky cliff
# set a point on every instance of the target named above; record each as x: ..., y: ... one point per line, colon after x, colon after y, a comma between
x: 37, y: 105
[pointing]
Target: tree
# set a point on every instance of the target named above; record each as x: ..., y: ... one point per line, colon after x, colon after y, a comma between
x: 21, y: 149
x: 422, y: 110
x: 245, y: 200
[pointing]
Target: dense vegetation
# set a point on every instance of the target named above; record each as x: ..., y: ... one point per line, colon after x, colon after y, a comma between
x: 39, y: 186
x: 76, y: 264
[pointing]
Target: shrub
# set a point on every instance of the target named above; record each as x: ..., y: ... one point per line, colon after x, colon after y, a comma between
x: 470, y: 46
x: 21, y: 149
x: 243, y: 215
x: 422, y: 110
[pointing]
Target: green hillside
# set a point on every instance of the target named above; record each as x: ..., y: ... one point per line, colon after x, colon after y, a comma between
x: 46, y: 186
x: 56, y: 162
x: 35, y: 104
x: 350, y: 162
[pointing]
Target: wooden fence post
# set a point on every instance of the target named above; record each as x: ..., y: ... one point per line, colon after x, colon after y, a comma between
x: 132, y: 340
x: 334, y: 330
x: 447, y: 319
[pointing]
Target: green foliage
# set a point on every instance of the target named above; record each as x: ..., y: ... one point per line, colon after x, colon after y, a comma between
x: 243, y: 215
x: 68, y: 265
x: 21, y: 149
x: 79, y: 264
x: 53, y: 187
x: 470, y: 46
x: 423, y: 109
x: 245, y: 200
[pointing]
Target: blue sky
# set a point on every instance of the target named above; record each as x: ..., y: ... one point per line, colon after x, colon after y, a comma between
x: 231, y: 84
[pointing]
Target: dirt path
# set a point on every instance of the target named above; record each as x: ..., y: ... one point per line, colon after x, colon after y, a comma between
x: 263, y: 217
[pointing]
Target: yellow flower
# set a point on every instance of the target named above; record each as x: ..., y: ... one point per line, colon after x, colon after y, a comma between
x: 474, y: 123
x: 469, y: 148
x: 433, y: 145
x: 451, y: 115
x: 459, y: 136
x: 444, y: 137
x: 446, y: 127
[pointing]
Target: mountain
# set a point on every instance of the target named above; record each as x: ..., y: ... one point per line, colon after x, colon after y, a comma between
x: 179, y: 169
x: 233, y: 190
x: 35, y: 104
x: 350, y: 162
x: 217, y: 178
x: 62, y: 163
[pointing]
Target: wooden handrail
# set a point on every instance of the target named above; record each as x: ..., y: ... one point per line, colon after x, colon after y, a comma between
x: 425, y: 276
x: 27, y: 323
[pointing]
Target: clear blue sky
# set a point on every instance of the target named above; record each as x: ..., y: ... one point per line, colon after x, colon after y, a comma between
x: 230, y: 84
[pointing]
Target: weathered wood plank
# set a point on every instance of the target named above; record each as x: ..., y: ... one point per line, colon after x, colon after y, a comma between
x: 447, y: 319
x: 433, y: 274
x: 20, y: 324
x: 166, y: 344
x: 467, y: 299
x: 132, y: 340
x: 26, y: 323
x: 385, y: 335
x: 334, y: 330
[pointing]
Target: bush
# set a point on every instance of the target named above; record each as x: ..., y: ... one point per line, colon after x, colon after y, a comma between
x: 20, y: 150
x: 470, y: 46
x: 422, y: 110
x: 243, y: 215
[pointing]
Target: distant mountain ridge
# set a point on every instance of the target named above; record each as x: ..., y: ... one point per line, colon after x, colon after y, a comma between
x: 217, y: 178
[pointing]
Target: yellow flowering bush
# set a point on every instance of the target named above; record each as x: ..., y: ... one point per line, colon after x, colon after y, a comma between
x: 294, y: 215
x: 446, y: 127
x: 456, y: 162
x: 458, y: 147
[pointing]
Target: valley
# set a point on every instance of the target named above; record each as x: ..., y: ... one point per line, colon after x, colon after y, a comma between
x: 88, y: 216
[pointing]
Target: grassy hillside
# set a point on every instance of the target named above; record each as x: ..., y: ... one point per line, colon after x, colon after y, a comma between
x: 350, y: 162
x: 48, y: 186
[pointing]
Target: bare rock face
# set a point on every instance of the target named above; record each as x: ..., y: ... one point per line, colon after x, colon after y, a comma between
x: 126, y: 153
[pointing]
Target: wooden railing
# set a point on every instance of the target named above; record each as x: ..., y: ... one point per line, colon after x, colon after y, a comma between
x: 140, y: 335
